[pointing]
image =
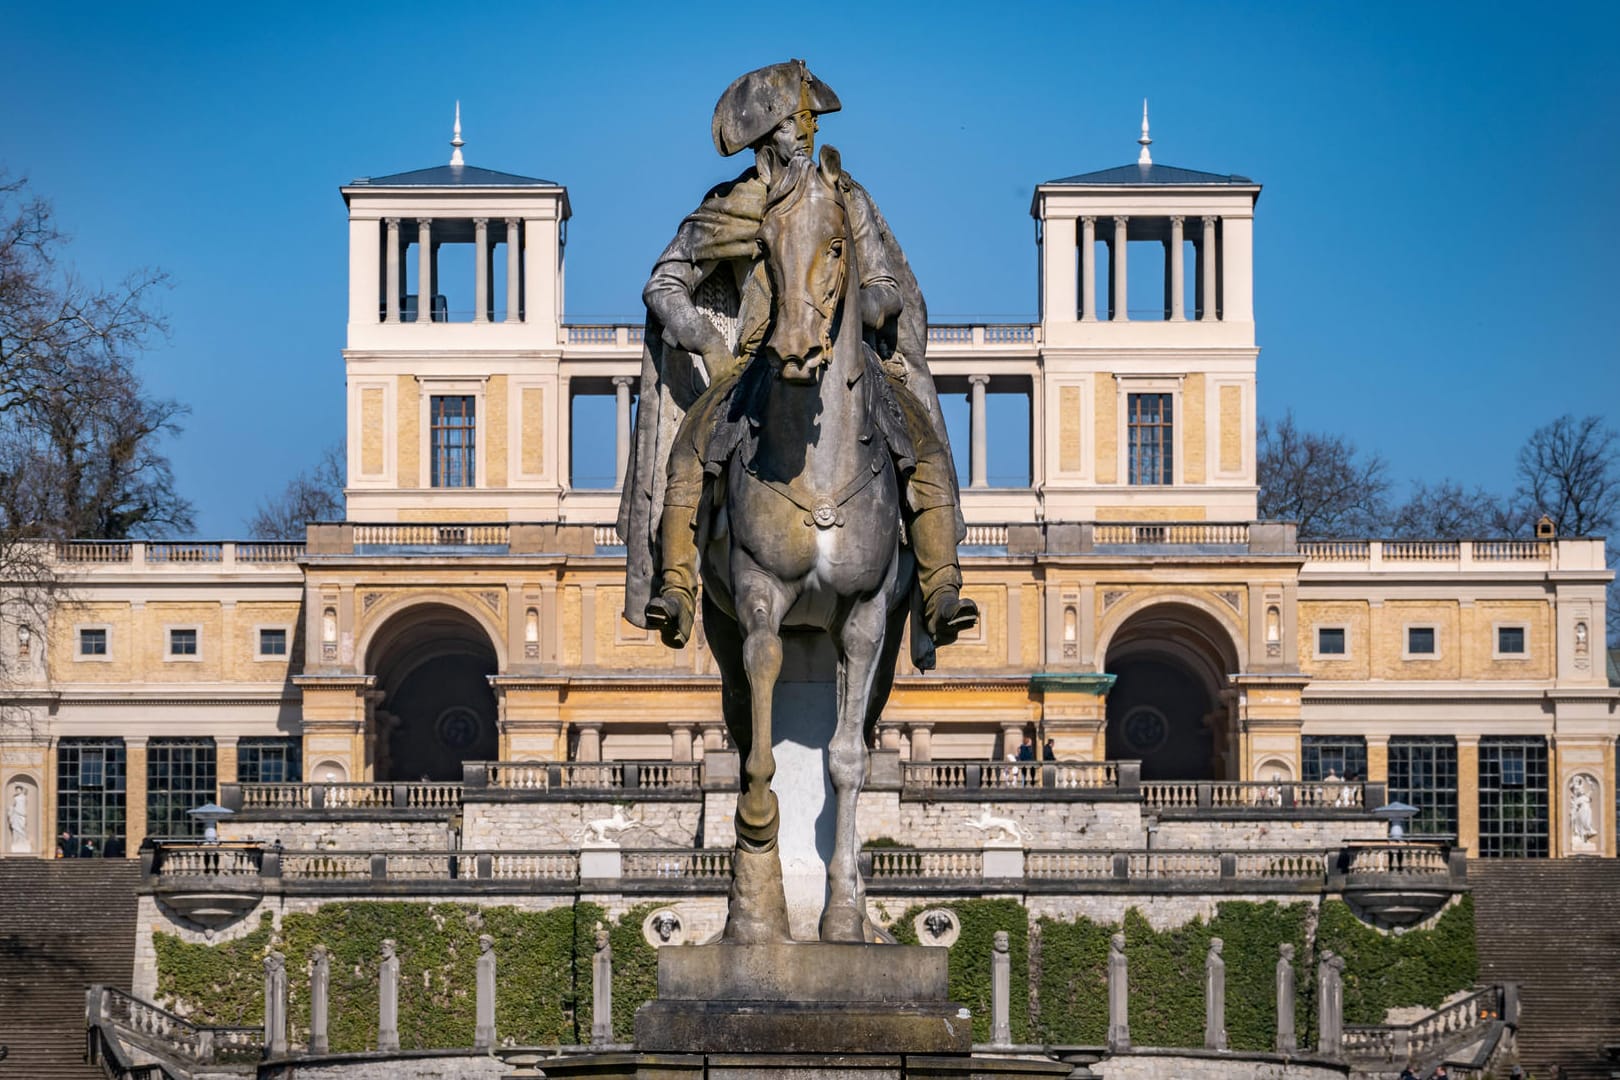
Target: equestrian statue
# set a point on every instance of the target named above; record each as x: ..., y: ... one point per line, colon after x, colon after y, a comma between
x: 790, y: 452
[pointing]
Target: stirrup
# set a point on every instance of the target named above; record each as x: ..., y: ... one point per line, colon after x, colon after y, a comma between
x: 671, y: 614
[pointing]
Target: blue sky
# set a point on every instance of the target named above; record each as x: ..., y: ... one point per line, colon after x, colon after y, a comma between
x: 1435, y: 275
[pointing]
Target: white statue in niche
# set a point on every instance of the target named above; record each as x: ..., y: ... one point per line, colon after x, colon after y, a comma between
x: 1582, y: 828
x: 998, y: 831
x: 596, y: 832
x: 17, y: 820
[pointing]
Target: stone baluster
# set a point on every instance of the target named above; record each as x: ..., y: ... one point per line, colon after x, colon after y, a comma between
x: 1119, y: 1012
x: 320, y: 980
x: 275, y: 1004
x: 484, y: 1033
x: 388, y: 999
x: 1214, y: 997
x: 602, y: 990
x: 1287, y: 1040
x: 1000, y: 991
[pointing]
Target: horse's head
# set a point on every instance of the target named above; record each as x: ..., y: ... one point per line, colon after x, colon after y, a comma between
x: 803, y: 239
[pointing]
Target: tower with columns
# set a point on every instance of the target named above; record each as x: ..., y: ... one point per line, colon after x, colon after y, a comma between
x: 1149, y: 392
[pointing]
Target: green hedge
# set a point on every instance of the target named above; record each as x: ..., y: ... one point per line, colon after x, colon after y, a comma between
x: 970, y: 957
x: 1167, y: 976
x: 1385, y: 971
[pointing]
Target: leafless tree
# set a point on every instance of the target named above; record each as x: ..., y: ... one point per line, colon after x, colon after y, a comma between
x: 1448, y: 511
x: 1321, y: 482
x: 315, y: 494
x: 1570, y: 471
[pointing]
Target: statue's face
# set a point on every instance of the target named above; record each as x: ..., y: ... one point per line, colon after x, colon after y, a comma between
x: 796, y: 134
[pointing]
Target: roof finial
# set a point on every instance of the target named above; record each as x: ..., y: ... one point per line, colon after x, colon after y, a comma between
x: 1144, y: 158
x: 456, y: 142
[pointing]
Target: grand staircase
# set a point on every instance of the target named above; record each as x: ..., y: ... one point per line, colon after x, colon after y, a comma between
x: 64, y: 924
x: 1552, y: 926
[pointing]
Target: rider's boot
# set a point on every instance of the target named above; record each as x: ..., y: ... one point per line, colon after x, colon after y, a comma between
x: 671, y: 612
x: 946, y: 612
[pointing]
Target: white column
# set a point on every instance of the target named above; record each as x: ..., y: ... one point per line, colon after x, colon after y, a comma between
x: 513, y: 274
x: 621, y: 455
x: 978, y: 443
x: 424, y: 270
x: 1121, y: 312
x: 1057, y: 270
x: 481, y: 282
x: 391, y: 295
x: 1178, y: 286
x: 1088, y: 269
x: 1206, y: 256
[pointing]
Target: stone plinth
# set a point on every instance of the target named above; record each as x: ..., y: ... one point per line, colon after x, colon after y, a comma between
x: 803, y: 999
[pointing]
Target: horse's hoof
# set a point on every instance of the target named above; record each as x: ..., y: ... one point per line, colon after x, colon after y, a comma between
x: 671, y: 615
x: 843, y: 924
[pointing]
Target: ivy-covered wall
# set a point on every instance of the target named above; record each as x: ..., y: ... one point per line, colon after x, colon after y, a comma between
x: 543, y: 971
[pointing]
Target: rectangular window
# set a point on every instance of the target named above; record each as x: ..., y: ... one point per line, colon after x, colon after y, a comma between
x: 90, y: 797
x: 1334, y: 757
x: 1510, y: 641
x: 1420, y: 641
x: 179, y: 777
x: 454, y: 428
x: 1330, y: 641
x: 272, y: 642
x: 1150, y: 426
x: 1423, y: 773
x: 1513, y: 801
x: 183, y: 642
x: 92, y: 641
x: 269, y: 761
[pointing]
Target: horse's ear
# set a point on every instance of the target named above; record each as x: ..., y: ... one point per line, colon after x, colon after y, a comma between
x: 832, y: 164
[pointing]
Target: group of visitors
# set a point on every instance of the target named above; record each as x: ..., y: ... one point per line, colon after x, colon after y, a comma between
x: 70, y: 846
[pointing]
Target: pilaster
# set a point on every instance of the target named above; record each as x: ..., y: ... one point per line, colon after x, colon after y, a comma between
x: 1074, y: 712
x: 134, y: 792
x: 1468, y: 793
x: 337, y: 709
x: 530, y: 718
x: 1268, y: 719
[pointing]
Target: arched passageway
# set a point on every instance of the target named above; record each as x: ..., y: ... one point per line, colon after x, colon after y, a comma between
x: 432, y: 663
x: 1168, y: 706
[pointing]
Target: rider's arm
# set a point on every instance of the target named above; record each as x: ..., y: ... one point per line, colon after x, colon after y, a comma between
x: 668, y: 295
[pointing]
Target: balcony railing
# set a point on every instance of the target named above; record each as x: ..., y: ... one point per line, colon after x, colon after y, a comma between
x: 1454, y: 553
x: 1228, y: 796
x: 1175, y: 534
x: 421, y: 797
x: 116, y: 1017
x: 1017, y: 779
x: 569, y: 778
x: 165, y: 553
x: 486, y: 536
x: 1451, y: 1028
x: 1002, y: 334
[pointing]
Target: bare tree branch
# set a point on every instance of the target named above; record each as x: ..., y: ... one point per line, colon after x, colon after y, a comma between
x: 315, y: 494
x: 1321, y: 482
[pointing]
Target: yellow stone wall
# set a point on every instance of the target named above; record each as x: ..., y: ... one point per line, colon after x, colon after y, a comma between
x: 1232, y: 431
x: 1107, y: 423
x: 495, y: 432
x: 1375, y: 638
x: 1151, y: 513
x: 408, y: 437
x: 1070, y: 458
x: 533, y: 450
x: 373, y: 432
x: 1354, y: 617
x: 138, y: 642
x: 1192, y: 428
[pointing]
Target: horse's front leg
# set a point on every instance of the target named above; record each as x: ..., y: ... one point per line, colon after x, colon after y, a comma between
x: 758, y: 910
x: 860, y: 645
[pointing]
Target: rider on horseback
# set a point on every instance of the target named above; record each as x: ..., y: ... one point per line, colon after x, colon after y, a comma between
x: 711, y: 296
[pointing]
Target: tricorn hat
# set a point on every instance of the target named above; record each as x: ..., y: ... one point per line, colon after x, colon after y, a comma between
x: 763, y: 98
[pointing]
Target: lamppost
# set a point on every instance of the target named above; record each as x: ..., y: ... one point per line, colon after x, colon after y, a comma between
x: 210, y: 815
x: 1398, y: 814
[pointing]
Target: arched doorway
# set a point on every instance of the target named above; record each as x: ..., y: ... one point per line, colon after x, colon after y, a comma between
x: 1168, y: 706
x: 432, y: 663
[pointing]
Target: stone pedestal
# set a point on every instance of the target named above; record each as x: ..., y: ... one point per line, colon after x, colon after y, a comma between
x: 803, y: 999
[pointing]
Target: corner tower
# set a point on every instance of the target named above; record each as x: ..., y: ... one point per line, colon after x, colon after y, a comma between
x: 1147, y: 327
x: 454, y: 336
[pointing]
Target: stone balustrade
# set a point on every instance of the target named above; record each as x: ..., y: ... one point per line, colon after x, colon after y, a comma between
x: 946, y: 780
x: 166, y: 555
x: 1223, y: 798
x: 575, y: 779
x: 1429, y: 1038
x: 422, y: 797
x: 115, y: 1018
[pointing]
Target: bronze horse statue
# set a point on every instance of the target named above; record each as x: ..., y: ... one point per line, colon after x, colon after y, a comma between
x: 805, y: 533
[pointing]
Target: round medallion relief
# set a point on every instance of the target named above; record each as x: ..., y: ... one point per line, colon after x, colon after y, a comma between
x: 664, y: 927
x: 458, y: 727
x: 937, y: 926
x: 1144, y: 729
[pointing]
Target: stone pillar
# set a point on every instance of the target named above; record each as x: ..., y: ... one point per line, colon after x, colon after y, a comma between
x: 391, y: 259
x: 1119, y: 1012
x: 1178, y: 284
x: 1118, y: 311
x: 320, y: 979
x: 621, y: 431
x: 225, y: 761
x: 714, y: 735
x: 1214, y: 997
x: 134, y: 793
x: 888, y: 736
x: 1329, y: 1005
x: 514, y: 274
x: 1000, y: 991
x: 481, y: 270
x: 1088, y: 269
x: 424, y: 270
x: 388, y: 999
x: 275, y: 1005
x: 602, y: 990
x: 484, y: 1033
x: 1058, y: 287
x: 590, y: 742
x: 1468, y: 793
x: 1287, y: 1040
x: 922, y: 741
x: 680, y: 742
x: 979, y: 439
x: 1206, y: 263
x: 1012, y: 738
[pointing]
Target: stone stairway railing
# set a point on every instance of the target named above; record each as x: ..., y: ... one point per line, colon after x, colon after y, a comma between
x: 1477, y: 1021
x: 122, y: 1028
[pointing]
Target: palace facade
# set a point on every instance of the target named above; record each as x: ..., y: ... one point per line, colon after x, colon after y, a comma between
x: 468, y: 608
